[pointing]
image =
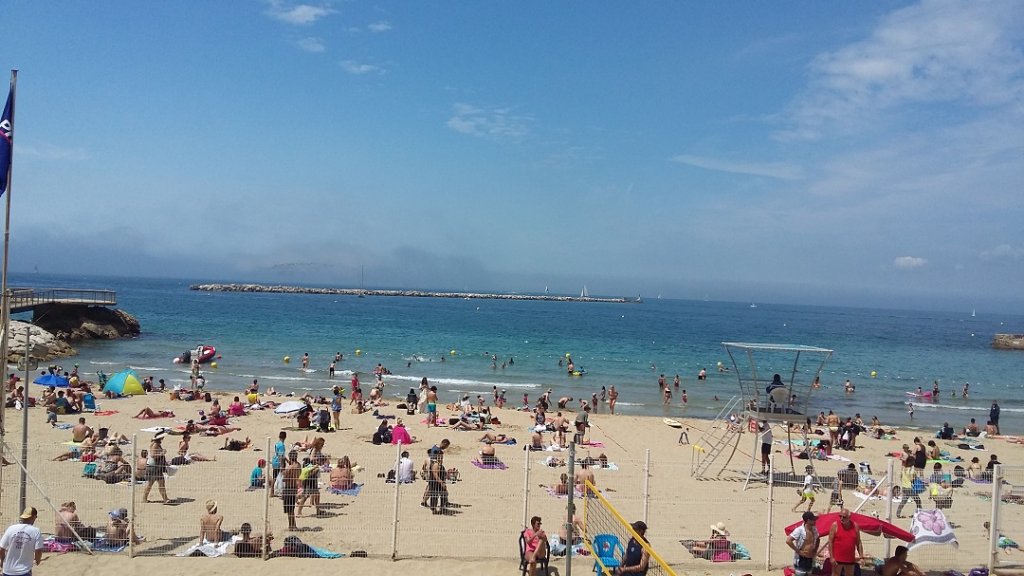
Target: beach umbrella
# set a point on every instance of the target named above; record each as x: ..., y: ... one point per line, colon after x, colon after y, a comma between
x: 867, y: 524
x: 51, y: 379
x: 125, y: 383
x: 289, y: 407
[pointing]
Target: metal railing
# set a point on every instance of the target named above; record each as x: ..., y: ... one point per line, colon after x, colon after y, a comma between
x: 28, y: 298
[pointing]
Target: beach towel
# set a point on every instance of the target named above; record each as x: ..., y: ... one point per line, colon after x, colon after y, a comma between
x: 508, y: 442
x: 211, y: 549
x: 593, y: 444
x: 104, y: 546
x: 104, y: 413
x: 495, y: 466
x: 154, y: 429
x: 931, y: 527
x: 610, y: 466
x: 353, y: 491
x: 1006, y: 543
x: 863, y: 496
x: 575, y: 494
x: 325, y: 553
x: 63, y: 426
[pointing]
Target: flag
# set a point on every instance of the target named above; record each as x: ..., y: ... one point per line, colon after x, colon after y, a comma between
x: 6, y: 140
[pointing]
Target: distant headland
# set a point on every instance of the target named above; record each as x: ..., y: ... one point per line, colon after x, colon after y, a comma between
x: 406, y: 293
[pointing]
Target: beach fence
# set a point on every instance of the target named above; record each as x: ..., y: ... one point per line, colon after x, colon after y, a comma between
x: 493, y: 504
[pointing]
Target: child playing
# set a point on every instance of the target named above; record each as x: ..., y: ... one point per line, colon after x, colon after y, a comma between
x: 807, y: 490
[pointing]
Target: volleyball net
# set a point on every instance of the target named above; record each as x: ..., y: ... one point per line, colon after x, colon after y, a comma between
x: 606, y: 535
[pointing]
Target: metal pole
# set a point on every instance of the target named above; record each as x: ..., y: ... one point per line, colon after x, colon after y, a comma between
x: 394, y: 521
x: 5, y: 316
x: 24, y: 425
x: 268, y: 484
x: 570, y: 508
x: 993, y: 522
x: 131, y: 512
x: 647, y: 484
x: 771, y: 510
x: 890, y: 470
x: 526, y: 491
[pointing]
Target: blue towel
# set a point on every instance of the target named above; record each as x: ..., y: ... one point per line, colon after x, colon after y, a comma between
x: 104, y: 546
x: 353, y: 491
x: 325, y: 553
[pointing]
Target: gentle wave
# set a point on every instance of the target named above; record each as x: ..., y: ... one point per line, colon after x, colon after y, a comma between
x: 964, y: 408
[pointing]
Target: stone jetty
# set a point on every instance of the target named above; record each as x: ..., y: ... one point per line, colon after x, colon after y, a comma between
x: 406, y: 293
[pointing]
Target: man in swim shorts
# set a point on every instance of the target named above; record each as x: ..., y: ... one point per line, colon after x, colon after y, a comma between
x: 432, y: 406
x: 289, y: 493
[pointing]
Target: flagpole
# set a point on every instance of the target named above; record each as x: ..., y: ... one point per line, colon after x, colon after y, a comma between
x: 7, y: 132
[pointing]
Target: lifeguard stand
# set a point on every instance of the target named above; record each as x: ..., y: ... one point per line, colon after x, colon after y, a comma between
x: 755, y: 365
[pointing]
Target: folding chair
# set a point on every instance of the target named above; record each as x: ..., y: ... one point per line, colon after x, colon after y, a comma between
x: 523, y: 564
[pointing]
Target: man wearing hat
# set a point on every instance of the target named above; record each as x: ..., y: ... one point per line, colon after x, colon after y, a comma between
x: 635, y: 560
x: 804, y: 542
x: 117, y: 527
x: 20, y: 544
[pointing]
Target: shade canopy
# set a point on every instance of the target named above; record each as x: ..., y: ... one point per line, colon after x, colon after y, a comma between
x: 125, y: 383
x: 867, y: 524
x: 52, y: 379
x: 289, y: 407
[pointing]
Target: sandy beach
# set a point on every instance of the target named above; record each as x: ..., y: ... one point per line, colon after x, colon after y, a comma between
x: 482, y: 532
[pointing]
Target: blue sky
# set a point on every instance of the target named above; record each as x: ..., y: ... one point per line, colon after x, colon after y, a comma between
x: 805, y: 152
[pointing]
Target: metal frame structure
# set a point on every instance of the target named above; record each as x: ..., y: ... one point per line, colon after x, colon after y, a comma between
x: 753, y: 383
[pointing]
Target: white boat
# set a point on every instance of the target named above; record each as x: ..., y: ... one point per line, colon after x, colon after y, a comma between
x: 584, y: 293
x: 973, y: 312
x: 752, y: 305
x: 638, y: 299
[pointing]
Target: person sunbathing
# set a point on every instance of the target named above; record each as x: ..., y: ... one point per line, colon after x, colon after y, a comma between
x: 719, y: 541
x: 341, y: 475
x: 75, y: 452
x: 494, y: 438
x: 536, y: 441
x: 236, y: 445
x: 148, y: 412
x: 487, y: 454
x: 562, y: 488
x: 975, y: 470
x: 67, y: 524
x: 210, y: 523
x: 465, y: 424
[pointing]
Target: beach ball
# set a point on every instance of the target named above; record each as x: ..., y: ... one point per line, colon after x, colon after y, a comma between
x: 213, y: 364
x: 359, y: 352
x: 452, y: 352
x: 287, y: 359
x: 873, y: 373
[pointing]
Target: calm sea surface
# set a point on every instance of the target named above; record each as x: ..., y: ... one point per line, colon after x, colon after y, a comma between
x: 626, y: 345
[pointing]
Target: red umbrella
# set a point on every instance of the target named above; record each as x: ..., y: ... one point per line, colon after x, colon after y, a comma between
x: 867, y: 524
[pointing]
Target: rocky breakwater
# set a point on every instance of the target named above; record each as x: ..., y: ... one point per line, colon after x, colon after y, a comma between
x: 406, y: 293
x: 55, y: 328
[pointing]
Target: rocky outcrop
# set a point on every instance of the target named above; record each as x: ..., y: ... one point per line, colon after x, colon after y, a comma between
x: 55, y: 327
x: 72, y: 323
x: 1008, y: 341
x: 42, y: 344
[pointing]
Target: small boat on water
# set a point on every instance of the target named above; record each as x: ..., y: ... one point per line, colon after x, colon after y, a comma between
x: 204, y: 353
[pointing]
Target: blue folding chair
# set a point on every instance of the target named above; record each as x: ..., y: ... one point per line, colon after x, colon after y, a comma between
x: 605, y: 546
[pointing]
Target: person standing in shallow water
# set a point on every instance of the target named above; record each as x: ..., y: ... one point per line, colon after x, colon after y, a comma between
x: 613, y: 397
x: 993, y: 415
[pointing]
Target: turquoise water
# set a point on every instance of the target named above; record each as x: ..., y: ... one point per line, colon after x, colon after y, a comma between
x: 617, y: 344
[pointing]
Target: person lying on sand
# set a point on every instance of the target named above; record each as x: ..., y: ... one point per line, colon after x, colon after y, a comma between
x: 86, y: 447
x: 236, y: 445
x: 148, y: 412
x: 494, y: 438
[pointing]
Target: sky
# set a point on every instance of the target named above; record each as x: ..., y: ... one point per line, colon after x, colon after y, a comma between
x: 826, y: 153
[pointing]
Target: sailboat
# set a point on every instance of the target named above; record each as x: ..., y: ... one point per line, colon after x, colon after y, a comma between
x: 362, y: 291
x: 638, y: 299
x: 584, y: 293
x: 545, y: 290
x: 973, y: 312
x: 752, y: 305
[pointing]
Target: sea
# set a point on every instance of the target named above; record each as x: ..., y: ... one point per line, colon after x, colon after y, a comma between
x: 454, y: 342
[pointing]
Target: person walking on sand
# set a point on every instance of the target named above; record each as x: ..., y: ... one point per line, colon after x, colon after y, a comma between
x: 21, y: 544
x: 613, y: 398
x: 844, y: 545
x: 807, y: 490
x: 156, y: 465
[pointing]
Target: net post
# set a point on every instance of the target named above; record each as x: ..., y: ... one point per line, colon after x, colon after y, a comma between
x: 771, y: 511
x: 131, y: 513
x: 890, y: 469
x: 570, y: 507
x: 993, y: 522
x: 268, y: 483
x: 526, y: 489
x: 394, y: 520
x: 647, y: 483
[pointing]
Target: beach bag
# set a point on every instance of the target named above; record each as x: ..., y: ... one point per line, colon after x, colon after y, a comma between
x: 917, y: 486
x: 279, y: 484
x: 722, y: 556
x: 89, y: 470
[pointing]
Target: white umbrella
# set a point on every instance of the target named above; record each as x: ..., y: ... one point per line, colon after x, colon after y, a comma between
x: 289, y: 407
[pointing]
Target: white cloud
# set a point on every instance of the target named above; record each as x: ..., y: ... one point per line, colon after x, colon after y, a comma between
x: 359, y: 68
x: 382, y: 26
x: 311, y: 44
x: 51, y: 152
x: 498, y: 123
x: 963, y: 53
x: 909, y: 262
x: 300, y: 14
x: 779, y: 170
x: 1003, y: 252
